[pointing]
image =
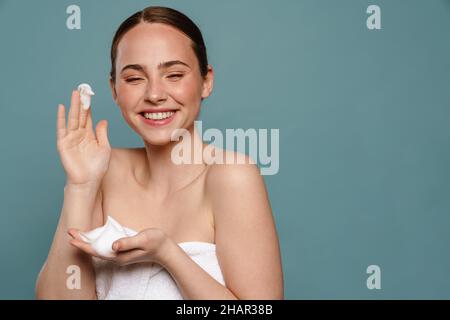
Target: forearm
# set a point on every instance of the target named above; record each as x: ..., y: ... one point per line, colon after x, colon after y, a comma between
x: 52, y: 281
x: 192, y: 280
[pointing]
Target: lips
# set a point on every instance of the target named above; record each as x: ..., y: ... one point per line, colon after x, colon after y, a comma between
x: 154, y: 110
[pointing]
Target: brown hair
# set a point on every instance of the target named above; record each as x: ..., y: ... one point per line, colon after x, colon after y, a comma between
x: 167, y: 16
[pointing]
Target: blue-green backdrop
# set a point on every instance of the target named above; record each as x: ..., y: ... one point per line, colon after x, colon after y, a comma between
x: 364, y: 130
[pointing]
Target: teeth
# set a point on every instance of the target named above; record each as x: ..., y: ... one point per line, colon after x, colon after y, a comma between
x: 158, y: 115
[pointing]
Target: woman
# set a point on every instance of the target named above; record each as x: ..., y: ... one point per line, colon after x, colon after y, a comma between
x: 206, y: 231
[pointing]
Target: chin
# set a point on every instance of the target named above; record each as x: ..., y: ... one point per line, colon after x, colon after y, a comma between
x: 161, y: 139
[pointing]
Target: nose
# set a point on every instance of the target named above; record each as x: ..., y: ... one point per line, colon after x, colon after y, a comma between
x: 155, y: 92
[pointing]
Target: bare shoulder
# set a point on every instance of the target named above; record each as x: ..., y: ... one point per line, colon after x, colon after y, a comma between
x: 245, y: 234
x: 237, y: 185
x: 244, y: 176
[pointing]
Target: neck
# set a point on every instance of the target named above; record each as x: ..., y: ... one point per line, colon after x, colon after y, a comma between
x: 161, y: 175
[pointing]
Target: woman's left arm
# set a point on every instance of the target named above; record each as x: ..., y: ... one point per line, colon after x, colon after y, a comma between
x: 246, y: 241
x: 192, y: 280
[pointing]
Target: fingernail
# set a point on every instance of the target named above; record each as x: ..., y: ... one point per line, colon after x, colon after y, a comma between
x: 115, y: 246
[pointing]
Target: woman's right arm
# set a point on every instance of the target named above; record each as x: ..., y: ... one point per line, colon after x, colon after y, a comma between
x: 82, y: 210
x: 85, y: 157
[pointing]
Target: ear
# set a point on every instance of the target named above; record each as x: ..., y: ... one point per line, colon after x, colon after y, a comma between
x: 208, y: 82
x: 113, y: 89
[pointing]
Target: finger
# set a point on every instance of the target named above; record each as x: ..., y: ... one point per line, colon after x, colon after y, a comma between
x: 61, y: 122
x: 83, y: 117
x: 75, y: 234
x: 129, y: 243
x: 86, y: 247
x: 74, y: 110
x: 89, y: 126
x: 101, y: 131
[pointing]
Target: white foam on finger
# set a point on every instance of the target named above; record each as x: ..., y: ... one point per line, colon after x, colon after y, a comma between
x: 85, y: 95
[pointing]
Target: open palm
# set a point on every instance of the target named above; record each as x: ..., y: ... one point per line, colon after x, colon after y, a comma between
x: 84, y: 155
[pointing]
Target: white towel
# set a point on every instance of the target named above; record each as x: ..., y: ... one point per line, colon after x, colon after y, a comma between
x: 148, y: 281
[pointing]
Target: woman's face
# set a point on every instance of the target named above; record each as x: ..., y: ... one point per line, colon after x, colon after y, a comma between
x: 157, y: 70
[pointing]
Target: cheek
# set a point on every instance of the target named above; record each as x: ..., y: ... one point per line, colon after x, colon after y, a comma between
x: 127, y: 96
x: 187, y: 92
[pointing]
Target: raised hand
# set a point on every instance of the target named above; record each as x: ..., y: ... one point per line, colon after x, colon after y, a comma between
x: 84, y: 155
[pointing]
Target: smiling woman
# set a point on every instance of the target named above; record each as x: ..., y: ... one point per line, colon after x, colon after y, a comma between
x: 195, y: 230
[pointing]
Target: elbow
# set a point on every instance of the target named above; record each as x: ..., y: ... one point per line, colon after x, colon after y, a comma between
x: 39, y: 292
x: 38, y: 286
x: 42, y: 291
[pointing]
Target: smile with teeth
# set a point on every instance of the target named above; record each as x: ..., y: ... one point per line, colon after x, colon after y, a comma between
x: 158, y: 115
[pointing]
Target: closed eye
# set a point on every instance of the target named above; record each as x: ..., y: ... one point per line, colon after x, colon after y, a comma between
x: 175, y: 76
x: 132, y: 79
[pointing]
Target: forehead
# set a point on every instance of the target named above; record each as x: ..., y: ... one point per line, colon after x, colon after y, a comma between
x: 151, y: 43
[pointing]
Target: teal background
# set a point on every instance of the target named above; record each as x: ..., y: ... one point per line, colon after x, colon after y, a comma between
x: 364, y: 130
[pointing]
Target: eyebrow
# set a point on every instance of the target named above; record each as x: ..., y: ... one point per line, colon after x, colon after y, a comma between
x: 162, y: 65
